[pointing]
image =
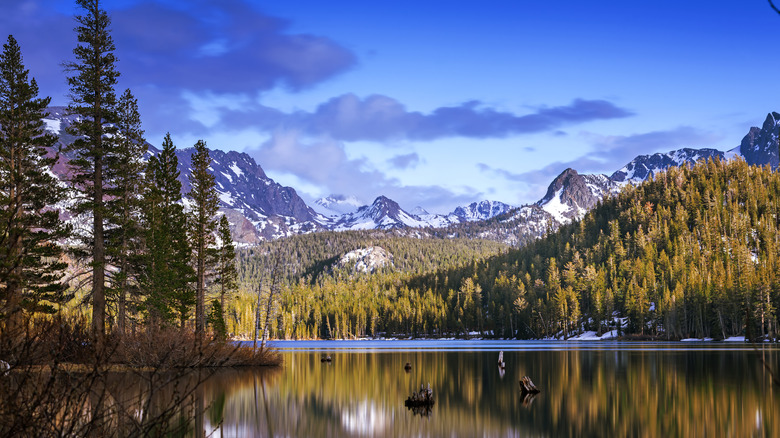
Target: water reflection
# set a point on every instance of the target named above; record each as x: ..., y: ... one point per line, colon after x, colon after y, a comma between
x: 589, y: 391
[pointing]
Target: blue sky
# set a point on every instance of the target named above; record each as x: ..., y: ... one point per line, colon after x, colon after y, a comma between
x: 431, y: 103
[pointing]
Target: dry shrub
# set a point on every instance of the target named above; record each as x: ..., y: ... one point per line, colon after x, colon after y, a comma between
x: 247, y: 356
x: 46, y: 340
x: 58, y: 385
x: 174, y: 348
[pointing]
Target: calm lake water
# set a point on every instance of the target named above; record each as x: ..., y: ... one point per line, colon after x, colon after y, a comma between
x: 587, y: 389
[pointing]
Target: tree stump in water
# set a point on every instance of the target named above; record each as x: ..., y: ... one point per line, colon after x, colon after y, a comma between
x: 527, y: 386
x: 422, y: 398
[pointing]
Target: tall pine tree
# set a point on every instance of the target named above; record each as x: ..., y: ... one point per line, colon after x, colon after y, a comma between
x: 93, y: 98
x: 227, y: 275
x: 30, y: 265
x: 124, y: 240
x: 167, y: 273
x: 202, y: 225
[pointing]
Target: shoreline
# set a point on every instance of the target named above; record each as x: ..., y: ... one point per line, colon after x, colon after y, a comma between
x: 584, y: 337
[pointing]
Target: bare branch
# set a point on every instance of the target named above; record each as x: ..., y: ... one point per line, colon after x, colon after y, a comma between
x: 772, y: 4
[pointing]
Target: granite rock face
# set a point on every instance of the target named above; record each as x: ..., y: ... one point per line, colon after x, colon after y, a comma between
x: 760, y: 146
x: 366, y: 260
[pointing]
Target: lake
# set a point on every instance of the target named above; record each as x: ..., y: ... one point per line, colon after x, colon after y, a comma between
x: 603, y: 388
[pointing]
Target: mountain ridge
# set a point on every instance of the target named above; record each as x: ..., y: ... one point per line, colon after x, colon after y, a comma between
x: 259, y: 208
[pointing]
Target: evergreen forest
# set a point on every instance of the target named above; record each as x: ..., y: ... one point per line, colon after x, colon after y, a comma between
x: 691, y: 253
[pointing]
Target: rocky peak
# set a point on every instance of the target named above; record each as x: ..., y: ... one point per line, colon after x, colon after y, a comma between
x: 760, y: 146
x: 567, y: 178
x: 337, y: 205
x: 645, y: 166
x: 482, y: 210
x: 382, y: 207
x: 571, y: 194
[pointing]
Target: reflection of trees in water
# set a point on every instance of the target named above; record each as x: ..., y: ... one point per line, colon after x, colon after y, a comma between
x: 66, y: 402
x: 598, y: 393
x: 604, y: 393
x: 423, y: 411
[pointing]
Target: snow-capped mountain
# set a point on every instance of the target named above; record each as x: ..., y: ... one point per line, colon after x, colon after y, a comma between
x: 259, y: 208
x: 571, y: 195
x: 480, y: 211
x: 383, y: 214
x: 645, y: 166
x: 760, y: 146
x: 243, y: 187
x: 337, y: 205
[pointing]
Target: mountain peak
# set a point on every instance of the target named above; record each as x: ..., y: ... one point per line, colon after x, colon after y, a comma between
x: 760, y: 146
x: 481, y: 210
x: 645, y: 166
x: 772, y: 119
x: 338, y: 205
x: 566, y: 178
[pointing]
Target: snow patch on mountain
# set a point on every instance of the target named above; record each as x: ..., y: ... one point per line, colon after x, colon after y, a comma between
x: 480, y: 211
x: 366, y: 260
x: 52, y: 125
x: 337, y: 205
x: 236, y: 170
x: 557, y: 208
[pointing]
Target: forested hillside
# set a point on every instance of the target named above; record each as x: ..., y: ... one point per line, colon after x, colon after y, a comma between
x: 691, y: 253
x: 322, y: 298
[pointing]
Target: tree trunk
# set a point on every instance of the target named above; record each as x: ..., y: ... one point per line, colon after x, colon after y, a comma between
x: 257, y: 315
x: 98, y: 255
x: 200, y: 320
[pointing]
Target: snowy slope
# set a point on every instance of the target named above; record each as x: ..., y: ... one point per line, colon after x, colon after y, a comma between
x: 259, y: 208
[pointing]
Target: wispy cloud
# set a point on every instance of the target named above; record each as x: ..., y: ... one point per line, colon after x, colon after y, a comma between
x: 382, y: 118
x: 405, y: 161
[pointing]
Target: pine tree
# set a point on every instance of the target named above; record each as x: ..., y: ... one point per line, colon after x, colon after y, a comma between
x: 227, y: 275
x: 93, y: 98
x: 30, y: 265
x: 167, y: 273
x: 202, y: 225
x: 124, y: 240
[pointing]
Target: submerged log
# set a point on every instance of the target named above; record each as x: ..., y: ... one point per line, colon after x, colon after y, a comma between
x: 527, y: 386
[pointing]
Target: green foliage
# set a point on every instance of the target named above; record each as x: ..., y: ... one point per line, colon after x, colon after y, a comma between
x: 226, y: 275
x: 320, y: 300
x: 125, y: 240
x: 30, y: 264
x: 92, y: 97
x: 691, y: 253
x: 167, y: 273
x: 202, y: 225
x: 216, y: 320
